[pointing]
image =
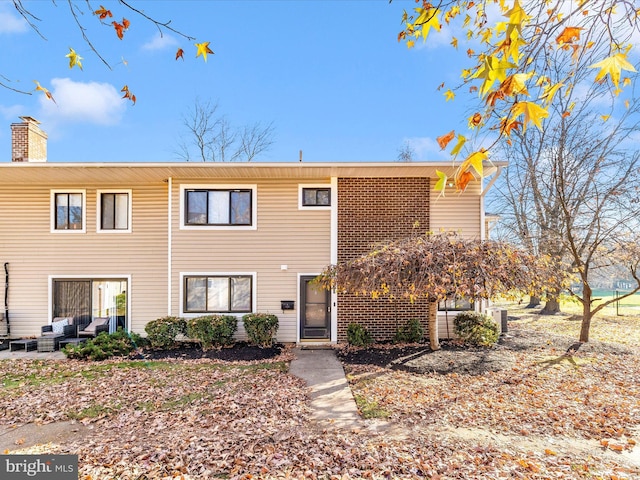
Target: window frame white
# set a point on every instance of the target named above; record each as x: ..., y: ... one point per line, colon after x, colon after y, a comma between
x: 129, y: 194
x: 323, y: 186
x: 224, y: 187
x: 53, y: 210
x: 183, y: 300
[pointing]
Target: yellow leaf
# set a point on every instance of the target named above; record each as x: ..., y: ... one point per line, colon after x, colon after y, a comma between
x: 454, y: 42
x: 45, y: 91
x: 532, y: 113
x: 492, y: 69
x: 605, y: 117
x: 549, y: 92
x: 410, y: 43
x: 203, y: 49
x: 461, y: 141
x: 74, y: 58
x: 449, y: 95
x: 428, y: 19
x: 612, y: 66
x: 442, y: 181
x: 515, y: 84
x: 475, y: 160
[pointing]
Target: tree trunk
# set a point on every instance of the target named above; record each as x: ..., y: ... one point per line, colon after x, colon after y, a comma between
x: 551, y: 306
x: 586, y: 313
x: 533, y: 302
x: 434, y: 343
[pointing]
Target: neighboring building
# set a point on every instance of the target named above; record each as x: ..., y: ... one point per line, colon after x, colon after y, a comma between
x: 138, y: 241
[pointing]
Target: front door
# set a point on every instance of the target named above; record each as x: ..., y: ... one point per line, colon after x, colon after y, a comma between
x: 315, y: 311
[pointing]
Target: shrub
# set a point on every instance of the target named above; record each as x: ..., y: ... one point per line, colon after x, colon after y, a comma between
x: 261, y: 328
x: 358, y: 335
x: 212, y: 330
x: 162, y: 332
x: 476, y: 328
x: 411, y: 332
x: 104, y: 346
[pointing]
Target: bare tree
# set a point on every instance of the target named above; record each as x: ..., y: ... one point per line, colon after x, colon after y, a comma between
x: 407, y: 153
x: 210, y: 137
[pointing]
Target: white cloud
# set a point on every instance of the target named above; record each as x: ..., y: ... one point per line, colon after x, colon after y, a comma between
x: 426, y: 148
x: 92, y: 102
x: 160, y: 42
x: 11, y: 23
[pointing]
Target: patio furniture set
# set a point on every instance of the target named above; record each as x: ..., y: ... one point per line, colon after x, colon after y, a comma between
x: 61, y: 332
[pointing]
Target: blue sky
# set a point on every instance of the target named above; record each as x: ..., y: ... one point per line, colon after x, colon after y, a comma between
x: 330, y: 75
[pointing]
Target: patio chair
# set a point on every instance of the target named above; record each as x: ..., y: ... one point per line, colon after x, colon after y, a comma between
x: 95, y: 328
x: 59, y: 326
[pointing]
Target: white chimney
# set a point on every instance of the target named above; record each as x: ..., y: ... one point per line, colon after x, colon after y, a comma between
x: 28, y: 141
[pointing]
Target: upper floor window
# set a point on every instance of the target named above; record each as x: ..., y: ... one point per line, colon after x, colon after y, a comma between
x: 218, y: 293
x: 68, y: 211
x: 219, y: 207
x: 114, y: 211
x: 315, y: 196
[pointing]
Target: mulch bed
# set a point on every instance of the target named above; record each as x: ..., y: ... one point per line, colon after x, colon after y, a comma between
x: 240, y: 351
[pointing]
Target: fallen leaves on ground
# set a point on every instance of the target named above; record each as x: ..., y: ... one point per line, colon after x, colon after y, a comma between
x: 202, y: 419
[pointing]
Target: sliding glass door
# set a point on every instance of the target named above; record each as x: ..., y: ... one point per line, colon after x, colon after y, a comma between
x: 86, y: 299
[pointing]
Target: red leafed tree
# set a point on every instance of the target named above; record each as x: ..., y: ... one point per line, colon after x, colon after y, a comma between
x: 442, y: 266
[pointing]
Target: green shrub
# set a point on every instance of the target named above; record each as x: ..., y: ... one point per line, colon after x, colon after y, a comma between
x: 261, y: 328
x: 162, y: 332
x: 358, y: 335
x: 410, y: 332
x: 212, y: 330
x: 105, y: 345
x: 476, y: 328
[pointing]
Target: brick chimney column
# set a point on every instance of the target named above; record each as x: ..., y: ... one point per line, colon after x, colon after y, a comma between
x: 28, y: 141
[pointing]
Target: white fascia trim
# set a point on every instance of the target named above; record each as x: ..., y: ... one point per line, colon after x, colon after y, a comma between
x: 254, y: 290
x: 99, y: 193
x: 220, y: 186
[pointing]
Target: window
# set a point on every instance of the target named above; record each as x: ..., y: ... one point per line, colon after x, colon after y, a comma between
x: 114, y: 211
x: 218, y: 294
x: 456, y: 304
x: 316, y: 197
x: 67, y: 211
x: 210, y: 207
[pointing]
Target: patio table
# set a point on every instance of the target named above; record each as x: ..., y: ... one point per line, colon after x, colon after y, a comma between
x: 49, y: 343
x: 26, y: 344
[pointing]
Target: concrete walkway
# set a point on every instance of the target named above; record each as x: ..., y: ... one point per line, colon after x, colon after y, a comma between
x: 332, y: 402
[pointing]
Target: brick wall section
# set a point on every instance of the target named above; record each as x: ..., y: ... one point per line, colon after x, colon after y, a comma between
x: 373, y: 211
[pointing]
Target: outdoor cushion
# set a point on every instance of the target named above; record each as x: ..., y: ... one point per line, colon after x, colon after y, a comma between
x: 57, y: 326
x: 91, y: 328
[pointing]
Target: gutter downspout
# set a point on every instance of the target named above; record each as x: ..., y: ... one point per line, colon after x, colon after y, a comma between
x: 493, y: 180
x: 6, y: 297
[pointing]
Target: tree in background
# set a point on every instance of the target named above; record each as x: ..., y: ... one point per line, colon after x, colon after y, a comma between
x: 210, y: 137
x: 508, y: 61
x: 439, y: 267
x: 586, y: 137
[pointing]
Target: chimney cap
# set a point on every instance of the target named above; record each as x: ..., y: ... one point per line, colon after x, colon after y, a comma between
x: 29, y: 119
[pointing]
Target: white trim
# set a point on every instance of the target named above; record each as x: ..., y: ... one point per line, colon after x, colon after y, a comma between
x: 222, y: 186
x: 99, y: 193
x: 92, y: 277
x: 302, y: 186
x: 334, y: 256
x: 52, y: 209
x: 169, y: 244
x: 254, y: 289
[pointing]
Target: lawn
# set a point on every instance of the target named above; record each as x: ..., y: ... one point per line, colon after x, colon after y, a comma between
x: 536, y: 413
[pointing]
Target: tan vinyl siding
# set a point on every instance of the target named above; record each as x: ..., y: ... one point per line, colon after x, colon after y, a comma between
x: 35, y: 253
x: 285, y: 235
x: 457, y: 212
